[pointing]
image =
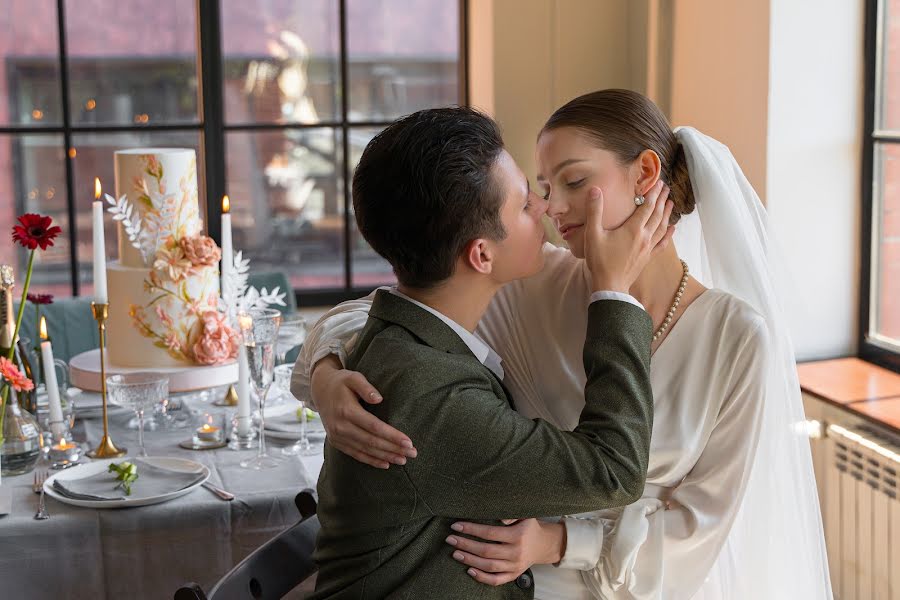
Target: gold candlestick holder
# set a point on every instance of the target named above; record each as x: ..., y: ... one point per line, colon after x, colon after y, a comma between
x: 230, y: 399
x: 106, y: 448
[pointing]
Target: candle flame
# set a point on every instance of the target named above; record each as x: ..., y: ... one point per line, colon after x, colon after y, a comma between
x: 226, y: 204
x: 44, y: 335
x: 97, y: 188
x: 245, y: 322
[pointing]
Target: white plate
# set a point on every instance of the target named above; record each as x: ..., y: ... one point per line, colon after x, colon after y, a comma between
x: 98, y: 466
x: 93, y: 412
x: 314, y: 435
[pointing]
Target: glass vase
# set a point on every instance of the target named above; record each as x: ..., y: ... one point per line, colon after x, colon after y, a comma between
x: 21, y: 445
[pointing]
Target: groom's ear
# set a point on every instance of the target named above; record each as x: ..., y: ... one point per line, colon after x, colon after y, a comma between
x: 479, y: 256
x: 649, y: 170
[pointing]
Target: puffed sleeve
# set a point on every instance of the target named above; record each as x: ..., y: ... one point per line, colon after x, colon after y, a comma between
x: 330, y: 335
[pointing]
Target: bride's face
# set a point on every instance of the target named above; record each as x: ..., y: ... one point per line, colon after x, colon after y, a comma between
x: 569, y: 165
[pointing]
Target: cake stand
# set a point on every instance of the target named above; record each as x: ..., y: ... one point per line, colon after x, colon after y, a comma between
x: 84, y: 373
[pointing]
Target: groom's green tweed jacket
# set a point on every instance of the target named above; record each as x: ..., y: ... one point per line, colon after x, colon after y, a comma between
x: 383, y: 531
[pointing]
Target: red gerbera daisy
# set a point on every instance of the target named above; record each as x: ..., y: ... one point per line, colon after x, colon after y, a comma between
x: 40, y: 298
x: 35, y: 230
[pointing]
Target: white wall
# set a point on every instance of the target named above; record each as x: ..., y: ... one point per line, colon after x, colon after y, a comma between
x: 813, y: 163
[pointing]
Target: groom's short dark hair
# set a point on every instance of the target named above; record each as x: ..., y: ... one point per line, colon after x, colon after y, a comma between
x: 425, y: 187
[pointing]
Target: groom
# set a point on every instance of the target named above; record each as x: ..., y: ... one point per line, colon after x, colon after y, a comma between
x: 438, y: 196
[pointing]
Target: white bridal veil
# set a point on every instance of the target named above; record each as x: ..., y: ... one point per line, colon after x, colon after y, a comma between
x: 776, y: 548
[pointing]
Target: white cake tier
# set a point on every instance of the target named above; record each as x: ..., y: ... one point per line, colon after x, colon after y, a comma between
x: 155, y: 321
x: 85, y: 372
x: 161, y: 186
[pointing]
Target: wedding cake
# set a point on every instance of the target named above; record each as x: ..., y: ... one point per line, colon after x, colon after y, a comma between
x: 164, y: 289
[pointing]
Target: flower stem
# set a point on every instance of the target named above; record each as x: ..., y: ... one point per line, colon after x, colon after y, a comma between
x: 21, y: 311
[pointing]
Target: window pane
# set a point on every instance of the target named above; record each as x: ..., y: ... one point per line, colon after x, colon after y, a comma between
x: 33, y: 179
x: 29, y: 63
x: 132, y: 61
x: 281, y: 60
x: 94, y: 158
x: 369, y: 269
x: 886, y: 243
x: 287, y: 202
x: 404, y: 56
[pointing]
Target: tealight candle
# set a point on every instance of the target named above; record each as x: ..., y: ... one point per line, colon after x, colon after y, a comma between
x: 208, y: 432
x: 64, y: 451
x: 211, y: 432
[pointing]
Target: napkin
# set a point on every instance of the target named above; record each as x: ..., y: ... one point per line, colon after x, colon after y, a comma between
x: 152, y: 481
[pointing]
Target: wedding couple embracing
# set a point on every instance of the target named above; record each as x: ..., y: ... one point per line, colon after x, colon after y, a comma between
x: 619, y: 419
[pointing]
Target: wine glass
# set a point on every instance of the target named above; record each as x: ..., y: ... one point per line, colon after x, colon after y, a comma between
x: 138, y: 391
x: 301, y: 447
x: 259, y: 335
x: 291, y: 334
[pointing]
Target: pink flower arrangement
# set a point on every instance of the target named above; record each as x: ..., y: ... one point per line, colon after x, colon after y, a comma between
x: 16, y: 379
x: 217, y: 342
x: 201, y: 250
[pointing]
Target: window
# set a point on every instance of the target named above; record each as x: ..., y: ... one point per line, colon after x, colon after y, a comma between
x: 278, y: 97
x: 880, y: 301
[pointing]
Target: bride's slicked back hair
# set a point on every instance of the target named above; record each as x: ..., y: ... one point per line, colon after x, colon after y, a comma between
x: 626, y: 123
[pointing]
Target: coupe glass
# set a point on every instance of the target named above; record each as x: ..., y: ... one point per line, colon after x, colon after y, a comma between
x: 138, y: 391
x: 291, y: 334
x: 259, y: 334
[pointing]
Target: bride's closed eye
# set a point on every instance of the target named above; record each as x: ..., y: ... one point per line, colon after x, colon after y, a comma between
x: 572, y: 185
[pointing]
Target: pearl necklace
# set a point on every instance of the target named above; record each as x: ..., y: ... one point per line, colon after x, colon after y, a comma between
x: 669, y: 315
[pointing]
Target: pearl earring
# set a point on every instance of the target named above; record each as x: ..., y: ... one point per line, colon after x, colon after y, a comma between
x: 638, y: 200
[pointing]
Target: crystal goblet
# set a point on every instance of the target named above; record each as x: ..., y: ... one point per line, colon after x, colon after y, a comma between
x: 138, y: 391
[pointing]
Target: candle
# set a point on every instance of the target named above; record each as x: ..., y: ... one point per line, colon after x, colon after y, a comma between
x: 227, y: 251
x: 56, y: 415
x: 243, y: 391
x: 63, y: 445
x: 208, y: 432
x: 100, y: 296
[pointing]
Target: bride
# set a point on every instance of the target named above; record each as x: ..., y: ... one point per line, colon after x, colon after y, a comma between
x: 730, y: 507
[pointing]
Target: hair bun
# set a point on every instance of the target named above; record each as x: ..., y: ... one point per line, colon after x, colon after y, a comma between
x: 681, y: 192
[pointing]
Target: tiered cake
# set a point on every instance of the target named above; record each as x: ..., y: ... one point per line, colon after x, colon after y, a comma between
x: 163, y: 291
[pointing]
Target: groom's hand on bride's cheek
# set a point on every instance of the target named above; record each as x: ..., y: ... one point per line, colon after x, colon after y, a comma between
x: 499, y: 554
x: 349, y: 427
x: 616, y: 257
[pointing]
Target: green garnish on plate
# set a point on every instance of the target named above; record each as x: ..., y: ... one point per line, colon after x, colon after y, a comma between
x: 310, y: 414
x: 126, y: 474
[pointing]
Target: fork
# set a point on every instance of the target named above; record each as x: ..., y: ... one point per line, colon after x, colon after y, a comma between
x: 39, y: 478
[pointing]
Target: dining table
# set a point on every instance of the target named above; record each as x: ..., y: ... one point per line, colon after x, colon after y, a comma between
x: 148, y: 551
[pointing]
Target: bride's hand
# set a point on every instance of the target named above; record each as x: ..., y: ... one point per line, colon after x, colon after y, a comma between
x: 349, y: 427
x: 507, y: 552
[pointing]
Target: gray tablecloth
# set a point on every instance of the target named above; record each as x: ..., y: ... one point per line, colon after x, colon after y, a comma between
x: 147, y: 552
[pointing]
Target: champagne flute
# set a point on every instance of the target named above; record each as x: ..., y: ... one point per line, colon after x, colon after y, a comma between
x: 301, y: 447
x: 259, y: 335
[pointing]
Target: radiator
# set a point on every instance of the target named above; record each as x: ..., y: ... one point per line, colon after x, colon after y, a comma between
x: 862, y: 513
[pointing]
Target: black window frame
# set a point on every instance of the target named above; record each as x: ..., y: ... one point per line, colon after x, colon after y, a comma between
x: 867, y: 349
x: 212, y: 130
